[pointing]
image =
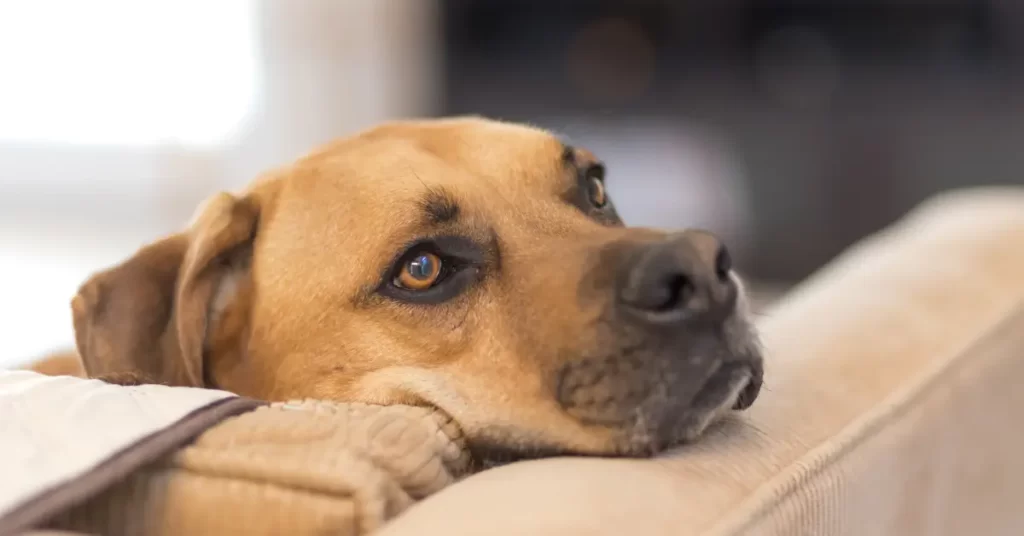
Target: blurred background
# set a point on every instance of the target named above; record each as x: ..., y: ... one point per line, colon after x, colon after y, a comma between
x: 791, y: 128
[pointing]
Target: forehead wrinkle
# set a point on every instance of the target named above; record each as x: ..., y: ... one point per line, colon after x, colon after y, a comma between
x: 511, y: 174
x: 543, y: 172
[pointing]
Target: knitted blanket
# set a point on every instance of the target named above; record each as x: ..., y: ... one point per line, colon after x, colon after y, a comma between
x: 84, y: 456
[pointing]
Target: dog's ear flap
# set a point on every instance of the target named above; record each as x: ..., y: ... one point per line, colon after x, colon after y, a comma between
x: 146, y: 320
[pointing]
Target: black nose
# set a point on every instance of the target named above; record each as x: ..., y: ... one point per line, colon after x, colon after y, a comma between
x: 686, y: 276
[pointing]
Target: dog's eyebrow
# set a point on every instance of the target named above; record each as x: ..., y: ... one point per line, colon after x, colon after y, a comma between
x: 439, y: 206
x: 569, y: 155
x: 578, y: 159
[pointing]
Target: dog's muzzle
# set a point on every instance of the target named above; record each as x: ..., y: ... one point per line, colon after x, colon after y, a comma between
x: 681, y: 350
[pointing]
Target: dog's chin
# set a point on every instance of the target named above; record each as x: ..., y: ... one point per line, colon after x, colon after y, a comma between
x: 733, y: 387
x: 658, y: 424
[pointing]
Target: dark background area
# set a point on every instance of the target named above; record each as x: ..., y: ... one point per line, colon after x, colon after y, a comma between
x: 842, y: 114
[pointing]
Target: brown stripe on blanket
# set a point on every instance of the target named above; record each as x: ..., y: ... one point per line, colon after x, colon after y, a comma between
x: 36, y: 511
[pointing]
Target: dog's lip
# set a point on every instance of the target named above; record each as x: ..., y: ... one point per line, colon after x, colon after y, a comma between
x: 750, y: 392
x: 716, y: 390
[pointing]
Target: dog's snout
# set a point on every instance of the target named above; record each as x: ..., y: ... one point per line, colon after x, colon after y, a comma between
x: 686, y: 276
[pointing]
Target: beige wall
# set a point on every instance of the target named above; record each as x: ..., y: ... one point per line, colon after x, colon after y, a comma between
x: 325, y: 68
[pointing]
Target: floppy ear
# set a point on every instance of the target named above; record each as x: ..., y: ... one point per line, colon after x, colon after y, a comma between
x: 147, y: 319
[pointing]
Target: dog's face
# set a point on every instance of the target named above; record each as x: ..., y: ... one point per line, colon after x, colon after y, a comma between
x: 466, y: 264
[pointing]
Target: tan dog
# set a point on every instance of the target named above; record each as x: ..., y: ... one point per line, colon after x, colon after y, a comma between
x: 466, y: 264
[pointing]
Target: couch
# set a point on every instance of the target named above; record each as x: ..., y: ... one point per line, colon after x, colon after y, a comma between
x: 890, y: 407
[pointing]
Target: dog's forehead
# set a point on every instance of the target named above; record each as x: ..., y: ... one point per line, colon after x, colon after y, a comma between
x: 369, y: 191
x: 391, y: 169
x: 516, y: 157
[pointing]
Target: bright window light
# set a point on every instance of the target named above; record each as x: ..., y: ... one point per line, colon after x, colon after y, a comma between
x: 125, y: 72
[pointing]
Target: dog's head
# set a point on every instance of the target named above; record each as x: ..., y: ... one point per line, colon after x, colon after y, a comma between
x: 471, y: 265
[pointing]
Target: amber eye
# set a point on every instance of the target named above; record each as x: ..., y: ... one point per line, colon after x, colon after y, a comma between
x: 420, y: 272
x: 598, y: 196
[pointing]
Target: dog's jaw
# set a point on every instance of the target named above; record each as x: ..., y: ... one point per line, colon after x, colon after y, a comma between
x: 665, y: 398
x: 656, y: 415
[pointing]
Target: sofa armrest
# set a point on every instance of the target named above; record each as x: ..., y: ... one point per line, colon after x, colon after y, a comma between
x: 890, y: 407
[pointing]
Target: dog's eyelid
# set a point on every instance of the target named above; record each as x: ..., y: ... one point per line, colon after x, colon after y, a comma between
x: 454, y: 250
x: 585, y: 166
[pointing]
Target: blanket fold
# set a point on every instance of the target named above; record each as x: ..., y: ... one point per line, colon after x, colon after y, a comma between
x: 64, y: 439
x: 305, y: 467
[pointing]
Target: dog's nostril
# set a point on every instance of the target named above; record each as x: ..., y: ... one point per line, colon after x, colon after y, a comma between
x: 673, y: 293
x: 723, y: 264
x: 687, y: 278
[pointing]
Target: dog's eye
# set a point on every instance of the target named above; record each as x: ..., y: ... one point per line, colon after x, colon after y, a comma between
x: 595, y: 188
x: 433, y: 270
x: 420, y: 272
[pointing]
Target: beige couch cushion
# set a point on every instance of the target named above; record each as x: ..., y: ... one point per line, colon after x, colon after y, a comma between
x: 891, y: 406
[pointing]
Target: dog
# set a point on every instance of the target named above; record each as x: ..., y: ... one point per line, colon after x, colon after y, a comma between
x: 467, y: 264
